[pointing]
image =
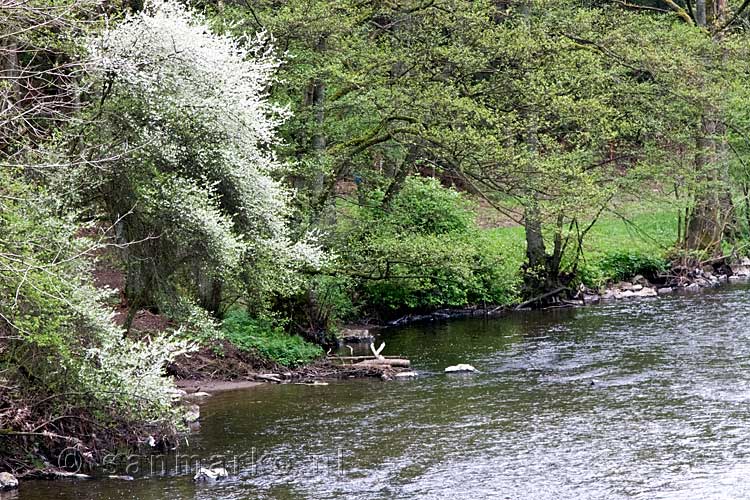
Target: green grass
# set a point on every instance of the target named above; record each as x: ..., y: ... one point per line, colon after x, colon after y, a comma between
x: 264, y: 338
x: 613, y: 249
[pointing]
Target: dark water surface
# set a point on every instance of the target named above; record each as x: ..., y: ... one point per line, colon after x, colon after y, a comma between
x: 646, y: 399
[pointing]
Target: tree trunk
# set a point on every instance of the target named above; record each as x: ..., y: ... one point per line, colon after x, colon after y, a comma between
x: 712, y: 213
x: 317, y: 102
x: 11, y: 94
x: 541, y: 272
x: 700, y: 13
x: 210, y: 290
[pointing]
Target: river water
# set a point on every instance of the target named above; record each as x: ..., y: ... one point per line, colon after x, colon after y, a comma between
x: 645, y: 399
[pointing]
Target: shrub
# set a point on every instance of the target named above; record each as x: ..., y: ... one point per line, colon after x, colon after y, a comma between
x: 262, y: 336
x: 423, y: 252
x: 425, y: 207
x: 623, y: 264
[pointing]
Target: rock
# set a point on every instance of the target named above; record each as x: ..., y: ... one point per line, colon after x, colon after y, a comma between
x: 639, y: 280
x: 608, y: 294
x: 409, y: 374
x: 591, y: 299
x: 693, y: 287
x: 625, y: 286
x: 624, y: 294
x: 176, y: 394
x: 740, y: 270
x: 192, y: 414
x: 664, y: 290
x: 745, y: 261
x: 637, y: 287
x: 646, y: 292
x: 8, y: 481
x: 205, y: 474
x: 122, y: 478
x: 461, y: 368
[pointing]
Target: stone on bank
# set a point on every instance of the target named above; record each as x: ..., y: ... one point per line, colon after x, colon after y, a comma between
x: 8, y: 481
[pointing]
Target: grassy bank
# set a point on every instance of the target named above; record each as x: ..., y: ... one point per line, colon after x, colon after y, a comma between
x: 407, y: 260
x: 617, y: 246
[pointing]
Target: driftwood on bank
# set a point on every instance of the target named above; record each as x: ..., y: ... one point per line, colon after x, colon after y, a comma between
x: 360, y: 358
x: 540, y: 297
x: 377, y: 359
x: 399, y: 362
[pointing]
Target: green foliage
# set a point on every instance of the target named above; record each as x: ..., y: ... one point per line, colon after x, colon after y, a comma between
x: 56, y: 334
x: 624, y: 264
x: 262, y: 336
x: 424, y: 207
x: 423, y: 251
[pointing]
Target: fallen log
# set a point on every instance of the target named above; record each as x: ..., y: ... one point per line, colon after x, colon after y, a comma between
x: 540, y: 297
x: 360, y: 358
x: 399, y: 362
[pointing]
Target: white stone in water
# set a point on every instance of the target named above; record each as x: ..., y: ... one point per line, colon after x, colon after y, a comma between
x: 8, y: 481
x: 406, y: 374
x: 205, y: 474
x: 461, y: 368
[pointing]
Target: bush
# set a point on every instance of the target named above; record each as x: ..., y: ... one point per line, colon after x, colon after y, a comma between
x: 425, y: 207
x: 262, y: 336
x: 424, y: 251
x: 620, y: 265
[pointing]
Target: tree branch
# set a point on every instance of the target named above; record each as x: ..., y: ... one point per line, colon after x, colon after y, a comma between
x: 736, y: 15
x: 681, y: 13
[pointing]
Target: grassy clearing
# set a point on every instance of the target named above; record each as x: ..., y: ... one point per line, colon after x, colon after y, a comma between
x: 614, y: 248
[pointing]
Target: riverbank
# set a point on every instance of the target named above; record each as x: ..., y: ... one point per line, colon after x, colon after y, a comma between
x: 223, y: 366
x: 234, y: 372
x: 237, y: 373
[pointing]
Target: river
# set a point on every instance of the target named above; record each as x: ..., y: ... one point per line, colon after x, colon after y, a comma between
x: 645, y: 399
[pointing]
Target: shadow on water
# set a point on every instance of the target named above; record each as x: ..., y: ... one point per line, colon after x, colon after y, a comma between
x: 640, y: 399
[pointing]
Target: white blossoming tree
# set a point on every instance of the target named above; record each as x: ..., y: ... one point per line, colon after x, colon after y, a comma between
x: 185, y: 135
